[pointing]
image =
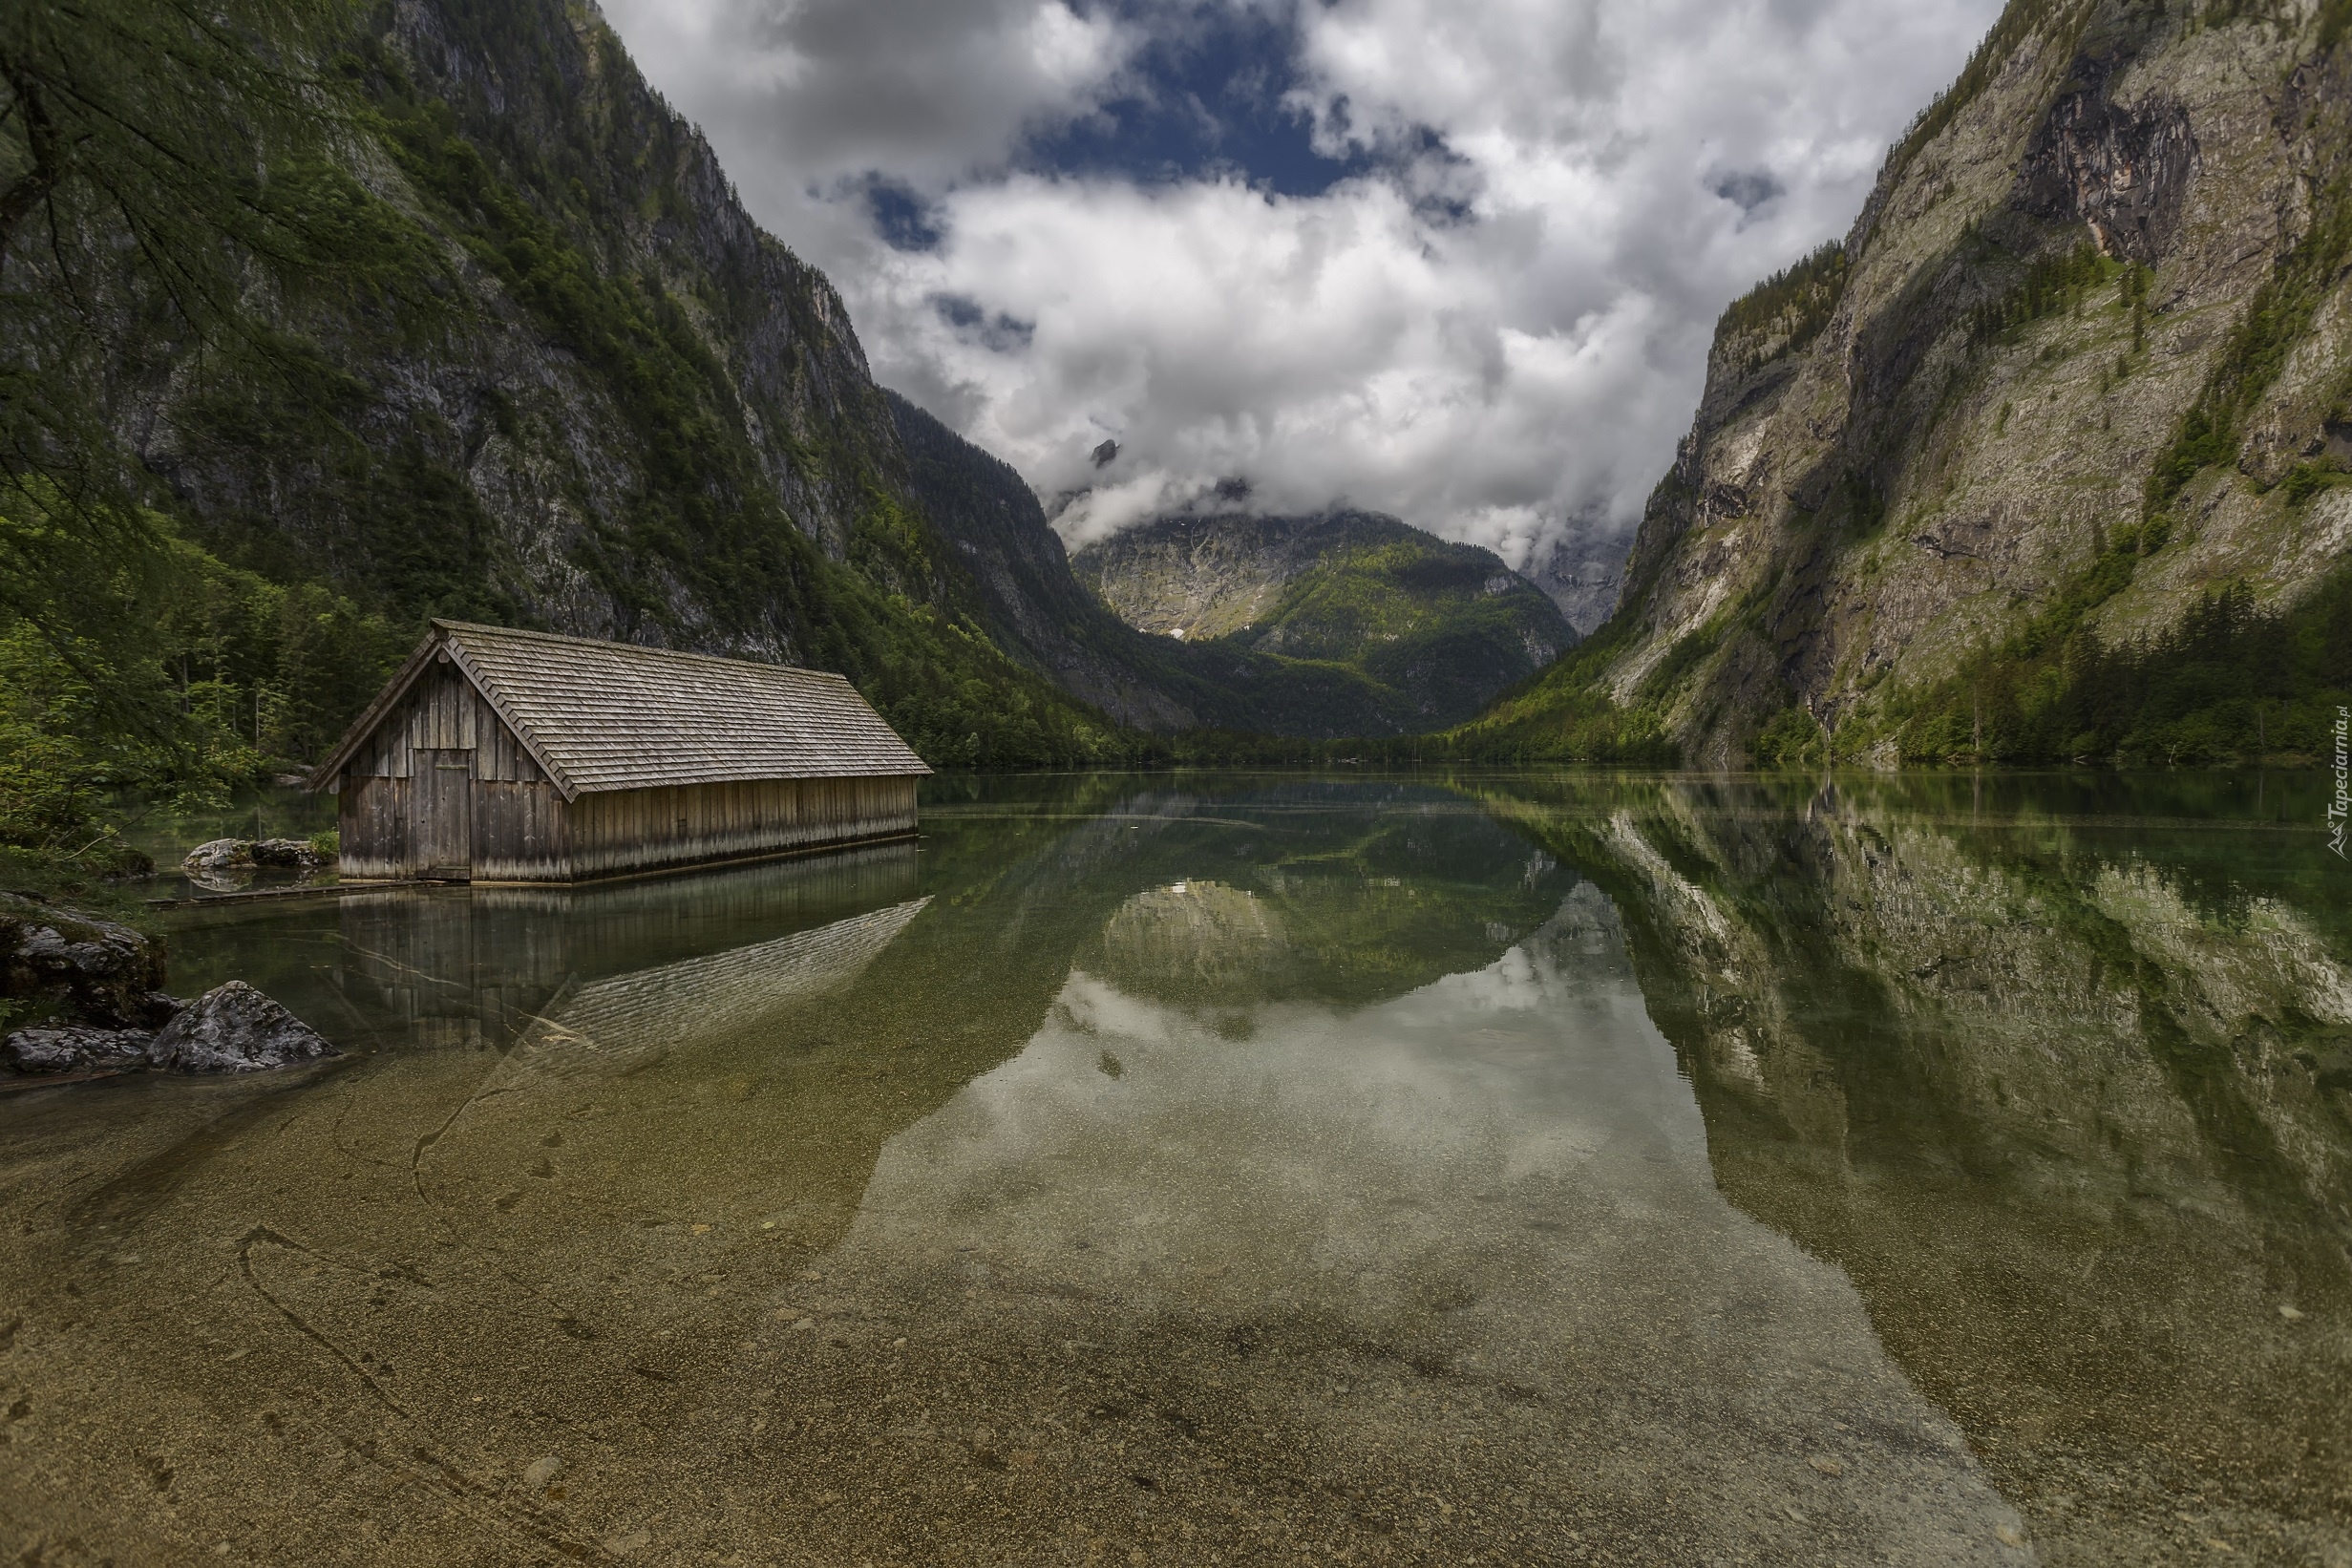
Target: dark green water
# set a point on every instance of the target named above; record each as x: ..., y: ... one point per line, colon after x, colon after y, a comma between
x: 1501, y: 1169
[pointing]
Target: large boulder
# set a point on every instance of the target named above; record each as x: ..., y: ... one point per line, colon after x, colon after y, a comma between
x: 76, y: 1047
x: 217, y: 855
x: 94, y: 992
x: 78, y: 967
x: 235, y: 1029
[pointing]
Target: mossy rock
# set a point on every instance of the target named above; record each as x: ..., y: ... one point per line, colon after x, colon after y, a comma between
x: 57, y: 963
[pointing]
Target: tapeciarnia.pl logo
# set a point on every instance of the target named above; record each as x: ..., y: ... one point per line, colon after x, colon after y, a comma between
x: 2340, y: 807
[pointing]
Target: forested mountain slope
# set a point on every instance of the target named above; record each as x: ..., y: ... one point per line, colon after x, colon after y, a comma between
x: 2048, y: 460
x: 325, y: 320
x: 504, y: 346
x: 1032, y: 602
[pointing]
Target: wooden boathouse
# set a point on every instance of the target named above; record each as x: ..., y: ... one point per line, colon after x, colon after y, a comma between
x: 519, y: 756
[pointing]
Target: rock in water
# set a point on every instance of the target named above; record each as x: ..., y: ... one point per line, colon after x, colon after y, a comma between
x: 76, y: 1047
x: 217, y: 855
x: 297, y: 853
x: 93, y: 971
x: 235, y: 1029
x: 227, y: 864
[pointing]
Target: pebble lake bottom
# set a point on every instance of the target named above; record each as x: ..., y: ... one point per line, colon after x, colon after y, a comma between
x: 1493, y: 1167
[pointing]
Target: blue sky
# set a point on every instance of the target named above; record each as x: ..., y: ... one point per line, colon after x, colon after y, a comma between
x: 1205, y: 94
x: 1203, y: 98
x: 1457, y: 261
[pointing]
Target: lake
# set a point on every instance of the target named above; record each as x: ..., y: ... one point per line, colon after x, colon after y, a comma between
x: 1496, y: 1167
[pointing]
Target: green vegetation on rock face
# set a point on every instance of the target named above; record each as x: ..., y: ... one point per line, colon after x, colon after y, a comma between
x: 2276, y: 320
x: 2017, y: 26
x: 321, y: 322
x: 1224, y: 699
x: 2045, y: 462
x: 2233, y: 680
x: 1786, y: 311
x: 1427, y: 631
x: 1316, y: 630
x: 2055, y: 285
x: 157, y: 171
x: 1564, y: 715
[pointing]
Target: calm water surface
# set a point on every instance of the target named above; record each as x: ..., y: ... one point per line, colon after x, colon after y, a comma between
x: 1501, y: 1169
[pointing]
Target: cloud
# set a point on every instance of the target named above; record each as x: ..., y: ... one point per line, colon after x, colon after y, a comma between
x: 839, y: 119
x: 1458, y: 263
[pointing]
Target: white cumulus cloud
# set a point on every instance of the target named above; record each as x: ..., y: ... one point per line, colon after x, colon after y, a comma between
x: 1496, y: 327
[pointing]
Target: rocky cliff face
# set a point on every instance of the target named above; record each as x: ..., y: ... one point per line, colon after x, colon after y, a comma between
x: 1447, y: 625
x: 2082, y: 358
x: 597, y: 362
x: 548, y: 372
x: 1033, y: 604
x: 1582, y: 579
x: 558, y: 377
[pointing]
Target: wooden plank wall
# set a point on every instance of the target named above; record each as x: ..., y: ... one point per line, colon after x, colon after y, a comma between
x: 443, y: 711
x: 373, y: 814
x: 638, y: 830
x: 519, y: 815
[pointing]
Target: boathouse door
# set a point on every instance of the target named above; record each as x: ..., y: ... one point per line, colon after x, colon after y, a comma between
x: 445, y: 813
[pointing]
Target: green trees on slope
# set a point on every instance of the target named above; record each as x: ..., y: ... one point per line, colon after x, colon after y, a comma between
x: 1788, y: 310
x: 164, y: 672
x: 137, y: 214
x: 2232, y: 681
x: 2275, y: 319
x: 184, y: 245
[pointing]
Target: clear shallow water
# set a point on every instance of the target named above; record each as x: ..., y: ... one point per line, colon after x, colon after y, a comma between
x: 1516, y: 1168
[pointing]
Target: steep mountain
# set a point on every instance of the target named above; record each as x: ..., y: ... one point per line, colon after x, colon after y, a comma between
x: 1445, y: 626
x: 1354, y: 625
x: 539, y: 367
x: 508, y: 348
x: 2047, y: 458
x: 1032, y: 604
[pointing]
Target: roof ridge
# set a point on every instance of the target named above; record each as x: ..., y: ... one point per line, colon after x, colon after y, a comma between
x: 635, y: 648
x: 598, y: 715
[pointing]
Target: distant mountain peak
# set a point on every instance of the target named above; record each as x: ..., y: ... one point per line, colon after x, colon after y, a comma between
x: 1334, y: 624
x: 1447, y: 625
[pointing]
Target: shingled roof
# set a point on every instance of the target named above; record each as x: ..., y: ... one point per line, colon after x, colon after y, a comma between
x: 605, y: 716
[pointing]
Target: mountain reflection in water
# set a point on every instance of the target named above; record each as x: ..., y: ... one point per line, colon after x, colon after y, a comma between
x: 1532, y: 1169
x: 2061, y: 1079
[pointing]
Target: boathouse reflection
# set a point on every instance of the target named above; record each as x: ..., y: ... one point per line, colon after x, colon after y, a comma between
x: 459, y: 969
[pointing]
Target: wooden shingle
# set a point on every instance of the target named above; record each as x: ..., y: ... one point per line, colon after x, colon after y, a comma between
x: 608, y: 716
